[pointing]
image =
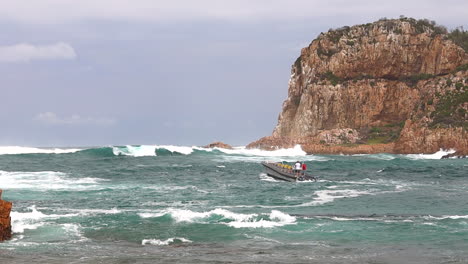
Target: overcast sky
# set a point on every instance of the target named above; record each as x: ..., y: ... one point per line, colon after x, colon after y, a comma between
x: 180, y: 72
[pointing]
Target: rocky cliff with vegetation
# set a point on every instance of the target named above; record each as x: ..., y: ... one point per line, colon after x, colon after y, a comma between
x: 5, y: 220
x: 395, y: 85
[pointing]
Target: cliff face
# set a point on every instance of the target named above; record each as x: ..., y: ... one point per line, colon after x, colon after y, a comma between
x: 5, y: 220
x: 385, y: 82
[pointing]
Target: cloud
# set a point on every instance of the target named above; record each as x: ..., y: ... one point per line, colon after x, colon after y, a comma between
x: 58, y: 11
x: 25, y: 52
x: 54, y: 119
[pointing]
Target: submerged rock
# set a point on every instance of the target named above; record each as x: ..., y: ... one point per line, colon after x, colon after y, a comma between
x: 399, y: 84
x: 456, y: 155
x: 5, y: 219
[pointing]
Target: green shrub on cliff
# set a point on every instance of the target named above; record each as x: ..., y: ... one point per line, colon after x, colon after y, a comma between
x: 447, y: 111
x: 463, y: 67
x: 298, y: 64
x: 414, y: 79
x: 334, y: 80
x: 459, y: 36
x: 422, y: 25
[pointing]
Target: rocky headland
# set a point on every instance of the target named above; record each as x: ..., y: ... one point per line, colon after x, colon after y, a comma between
x: 5, y: 219
x: 394, y: 86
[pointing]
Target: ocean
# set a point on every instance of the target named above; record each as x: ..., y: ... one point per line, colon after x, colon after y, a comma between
x: 173, y: 204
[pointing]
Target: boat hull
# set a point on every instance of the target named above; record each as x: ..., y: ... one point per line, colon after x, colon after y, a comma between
x: 279, y: 173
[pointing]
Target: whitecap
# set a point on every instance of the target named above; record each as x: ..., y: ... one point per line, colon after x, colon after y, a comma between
x: 236, y: 220
x: 438, y: 155
x: 7, y: 150
x: 265, y: 177
x: 45, y: 180
x: 443, y: 217
x: 158, y: 242
x: 135, y: 151
x: 27, y: 220
x: 296, y: 151
x: 328, y: 196
x: 74, y: 231
x: 380, y: 156
x: 152, y: 215
x: 32, y: 219
x: 179, y: 149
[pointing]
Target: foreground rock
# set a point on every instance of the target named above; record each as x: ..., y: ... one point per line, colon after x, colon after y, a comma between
x: 396, y: 86
x: 218, y: 145
x: 5, y: 219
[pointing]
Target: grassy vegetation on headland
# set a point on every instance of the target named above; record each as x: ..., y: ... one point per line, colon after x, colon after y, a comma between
x: 449, y: 111
x: 384, y: 134
x: 458, y: 35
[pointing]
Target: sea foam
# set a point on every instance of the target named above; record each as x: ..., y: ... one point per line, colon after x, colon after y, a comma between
x: 158, y: 242
x: 12, y: 150
x: 21, y: 221
x: 45, y: 180
x: 135, y: 151
x: 438, y: 155
x: 226, y: 217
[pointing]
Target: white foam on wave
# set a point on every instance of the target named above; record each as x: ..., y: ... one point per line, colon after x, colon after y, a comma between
x: 380, y: 156
x: 277, y: 219
x: 21, y: 221
x: 438, y: 155
x: 265, y: 177
x: 239, y: 153
x: 328, y: 196
x: 32, y: 219
x: 74, y: 231
x: 444, y: 217
x: 158, y: 242
x: 27, y: 220
x: 135, y: 151
x: 12, y: 150
x: 236, y: 220
x: 296, y: 151
x: 178, y: 149
x: 152, y: 215
x: 45, y: 180
x: 86, y: 212
x: 279, y: 155
x: 149, y: 150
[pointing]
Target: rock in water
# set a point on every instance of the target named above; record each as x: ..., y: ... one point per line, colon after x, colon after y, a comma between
x: 218, y: 145
x: 5, y: 219
x: 401, y: 84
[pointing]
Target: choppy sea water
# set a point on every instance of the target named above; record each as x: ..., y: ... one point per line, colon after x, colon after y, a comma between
x: 167, y: 204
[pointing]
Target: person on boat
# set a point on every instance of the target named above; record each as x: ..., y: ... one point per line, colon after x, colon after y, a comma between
x: 297, y: 168
x: 304, y: 168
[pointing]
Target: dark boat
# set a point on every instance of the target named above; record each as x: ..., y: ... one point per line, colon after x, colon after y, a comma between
x: 276, y: 171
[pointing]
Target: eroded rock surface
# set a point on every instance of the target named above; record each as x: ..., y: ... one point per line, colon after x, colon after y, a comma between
x: 400, y: 85
x: 5, y: 219
x: 218, y: 145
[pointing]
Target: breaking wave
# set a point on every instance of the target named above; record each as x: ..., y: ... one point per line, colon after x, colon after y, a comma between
x: 169, y: 241
x: 16, y: 150
x: 33, y: 218
x: 222, y: 216
x: 438, y: 155
x: 45, y: 180
x: 157, y: 150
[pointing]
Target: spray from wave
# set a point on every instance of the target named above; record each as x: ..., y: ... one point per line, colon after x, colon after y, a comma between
x: 438, y: 155
x: 16, y: 150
